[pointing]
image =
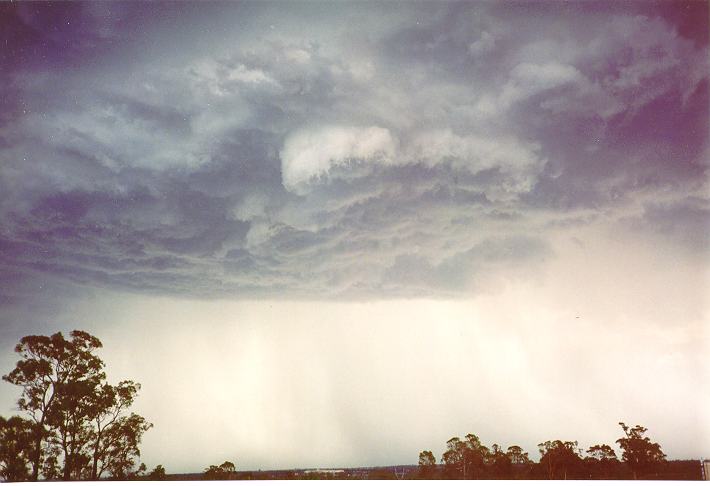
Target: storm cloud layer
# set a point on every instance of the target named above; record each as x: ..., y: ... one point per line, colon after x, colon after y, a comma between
x: 341, y: 151
x: 339, y: 233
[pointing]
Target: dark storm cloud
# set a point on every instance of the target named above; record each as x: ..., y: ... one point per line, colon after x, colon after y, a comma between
x: 271, y: 161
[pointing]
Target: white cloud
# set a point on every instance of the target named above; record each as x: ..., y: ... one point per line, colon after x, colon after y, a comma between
x: 518, y: 162
x: 321, y: 155
x: 308, y: 155
x: 243, y: 74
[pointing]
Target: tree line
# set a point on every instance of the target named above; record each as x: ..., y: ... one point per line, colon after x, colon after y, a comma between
x: 75, y: 425
x: 470, y: 459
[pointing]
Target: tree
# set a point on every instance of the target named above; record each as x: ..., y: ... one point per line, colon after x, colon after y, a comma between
x: 500, y: 463
x: 559, y: 458
x: 464, y: 459
x: 49, y: 365
x: 69, y: 419
x: 50, y: 466
x: 453, y: 458
x: 157, y: 474
x: 226, y: 470
x: 427, y: 464
x: 641, y: 455
x: 121, y: 453
x: 475, y: 456
x: 115, y: 437
x: 16, y: 442
x: 75, y: 414
x: 601, y: 460
x: 517, y: 456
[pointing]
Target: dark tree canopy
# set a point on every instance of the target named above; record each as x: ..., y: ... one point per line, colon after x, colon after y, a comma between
x: 427, y: 464
x: 157, y: 474
x: 75, y: 414
x: 50, y: 371
x: 601, y: 460
x: 16, y: 448
x: 517, y: 455
x: 641, y: 455
x: 226, y: 470
x: 559, y: 458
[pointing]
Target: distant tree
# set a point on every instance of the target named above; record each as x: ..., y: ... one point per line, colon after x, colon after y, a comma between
x: 499, y: 463
x: 559, y: 458
x: 212, y: 472
x: 157, y: 474
x: 641, y: 455
x: 464, y: 459
x: 16, y: 443
x: 452, y: 459
x: 427, y: 464
x: 517, y: 455
x: 601, y: 452
x: 47, y: 370
x: 601, y: 460
x: 226, y: 470
x: 475, y: 457
x: 521, y: 465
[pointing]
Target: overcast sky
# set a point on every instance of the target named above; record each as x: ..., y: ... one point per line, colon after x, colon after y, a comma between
x: 337, y: 234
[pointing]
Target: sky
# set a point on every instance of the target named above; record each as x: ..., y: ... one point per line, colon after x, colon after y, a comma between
x: 338, y: 234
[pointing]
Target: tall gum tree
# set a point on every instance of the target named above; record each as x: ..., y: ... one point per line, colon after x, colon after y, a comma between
x: 47, y: 368
x: 641, y: 455
x: 74, y: 412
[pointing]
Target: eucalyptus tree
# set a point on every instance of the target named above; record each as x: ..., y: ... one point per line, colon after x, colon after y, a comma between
x: 427, y: 464
x: 49, y: 368
x: 16, y: 442
x: 115, y: 436
x: 559, y: 458
x: 74, y: 413
x: 602, y: 460
x: 641, y: 455
x: 517, y: 456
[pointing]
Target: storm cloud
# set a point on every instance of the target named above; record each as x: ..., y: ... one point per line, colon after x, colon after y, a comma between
x: 506, y: 195
x: 320, y: 165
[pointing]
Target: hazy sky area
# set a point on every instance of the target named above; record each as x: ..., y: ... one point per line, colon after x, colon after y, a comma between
x: 337, y: 234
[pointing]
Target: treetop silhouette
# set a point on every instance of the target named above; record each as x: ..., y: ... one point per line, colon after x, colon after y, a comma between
x: 73, y: 413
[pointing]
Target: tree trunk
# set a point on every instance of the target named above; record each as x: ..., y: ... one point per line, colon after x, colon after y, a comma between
x: 37, y: 455
x: 67, y: 466
x: 67, y: 460
x: 95, y: 464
